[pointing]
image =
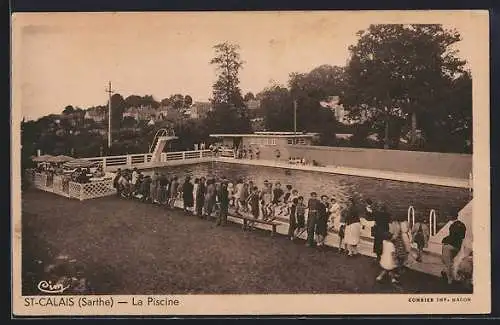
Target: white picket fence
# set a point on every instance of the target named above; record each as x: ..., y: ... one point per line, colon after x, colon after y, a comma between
x: 62, y: 185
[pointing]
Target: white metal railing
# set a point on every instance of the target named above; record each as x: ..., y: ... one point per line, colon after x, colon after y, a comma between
x: 143, y: 158
x: 432, y: 222
x: 411, y: 215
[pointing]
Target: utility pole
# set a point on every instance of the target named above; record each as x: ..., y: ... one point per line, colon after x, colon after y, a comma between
x: 295, y: 117
x: 109, y: 91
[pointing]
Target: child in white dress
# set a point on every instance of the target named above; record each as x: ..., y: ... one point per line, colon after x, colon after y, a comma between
x: 388, y: 261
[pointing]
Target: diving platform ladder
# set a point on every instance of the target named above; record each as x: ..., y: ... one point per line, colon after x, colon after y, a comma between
x: 162, y: 136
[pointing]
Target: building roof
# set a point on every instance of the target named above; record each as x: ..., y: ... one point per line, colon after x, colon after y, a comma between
x: 265, y: 135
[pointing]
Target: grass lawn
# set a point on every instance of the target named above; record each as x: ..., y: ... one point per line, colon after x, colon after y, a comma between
x: 126, y: 247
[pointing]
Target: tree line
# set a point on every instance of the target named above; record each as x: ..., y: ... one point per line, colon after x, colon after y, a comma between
x: 401, y: 83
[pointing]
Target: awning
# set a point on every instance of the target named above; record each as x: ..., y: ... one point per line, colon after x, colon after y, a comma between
x: 80, y: 163
x: 43, y: 158
x: 61, y: 159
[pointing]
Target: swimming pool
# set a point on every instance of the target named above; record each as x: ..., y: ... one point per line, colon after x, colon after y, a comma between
x: 398, y: 195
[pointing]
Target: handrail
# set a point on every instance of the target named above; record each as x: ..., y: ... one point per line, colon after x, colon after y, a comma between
x: 160, y: 133
x: 411, y: 211
x: 432, y: 222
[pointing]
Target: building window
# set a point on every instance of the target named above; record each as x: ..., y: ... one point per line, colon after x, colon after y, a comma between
x: 302, y: 141
x: 289, y: 141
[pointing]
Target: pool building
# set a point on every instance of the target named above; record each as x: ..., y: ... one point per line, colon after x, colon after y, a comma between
x: 268, y: 143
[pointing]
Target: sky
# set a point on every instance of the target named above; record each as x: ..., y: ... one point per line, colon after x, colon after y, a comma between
x: 62, y: 59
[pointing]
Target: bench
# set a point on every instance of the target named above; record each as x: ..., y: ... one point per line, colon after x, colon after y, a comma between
x: 249, y: 220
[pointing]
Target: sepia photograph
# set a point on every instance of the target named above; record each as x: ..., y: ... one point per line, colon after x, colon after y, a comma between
x: 250, y: 162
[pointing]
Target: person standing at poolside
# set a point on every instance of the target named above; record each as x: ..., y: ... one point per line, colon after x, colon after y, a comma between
x: 154, y: 187
x: 160, y: 193
x: 195, y: 190
x: 382, y: 219
x: 187, y: 195
x: 334, y: 211
x: 352, y: 229
x: 238, y: 192
x: 253, y: 203
x: 118, y: 174
x: 173, y: 192
x: 451, y: 246
x: 420, y: 236
x: 266, y: 200
x: 292, y: 219
x: 200, y: 197
x: 210, y: 198
x: 223, y: 199
x: 135, y: 177
x: 313, y: 209
x: 321, y: 228
x: 300, y: 216
x: 277, y: 198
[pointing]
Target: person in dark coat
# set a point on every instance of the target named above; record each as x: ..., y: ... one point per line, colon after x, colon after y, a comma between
x: 187, y: 194
x: 322, y: 225
x: 223, y: 198
x: 451, y: 245
x: 115, y: 182
x: 382, y: 219
x: 314, y: 206
x: 200, y: 198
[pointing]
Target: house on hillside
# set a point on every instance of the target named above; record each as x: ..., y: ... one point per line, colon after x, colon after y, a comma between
x: 253, y: 104
x: 97, y: 114
x: 147, y: 113
x: 200, y: 109
x: 332, y: 103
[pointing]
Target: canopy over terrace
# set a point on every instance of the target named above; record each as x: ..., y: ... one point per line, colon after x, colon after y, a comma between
x: 42, y: 158
x: 60, y: 159
x: 267, y: 138
x: 80, y: 163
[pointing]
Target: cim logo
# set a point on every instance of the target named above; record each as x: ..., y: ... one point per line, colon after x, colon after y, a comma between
x: 48, y: 287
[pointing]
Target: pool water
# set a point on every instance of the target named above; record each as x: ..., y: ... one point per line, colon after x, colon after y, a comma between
x: 397, y: 195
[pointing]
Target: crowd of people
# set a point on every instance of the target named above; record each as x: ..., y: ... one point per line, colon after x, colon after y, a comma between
x: 315, y: 215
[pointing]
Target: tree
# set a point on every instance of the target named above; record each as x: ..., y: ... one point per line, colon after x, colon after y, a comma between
x: 148, y: 100
x: 229, y: 114
x: 277, y: 104
x: 133, y: 101
x: 448, y: 127
x: 188, y: 101
x: 396, y: 73
x: 249, y: 96
x: 309, y: 90
x: 118, y: 106
x: 165, y: 102
x: 177, y: 101
x: 68, y: 109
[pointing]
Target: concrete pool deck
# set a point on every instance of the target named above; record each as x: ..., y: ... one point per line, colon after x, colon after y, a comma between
x: 430, y: 264
x: 372, y: 173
